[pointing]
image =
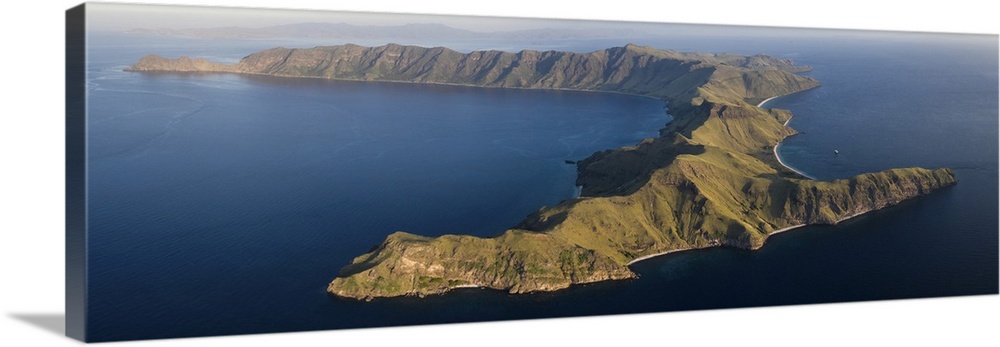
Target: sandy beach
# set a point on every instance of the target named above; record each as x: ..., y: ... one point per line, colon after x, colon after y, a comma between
x: 776, y: 156
x: 761, y: 104
x: 654, y: 255
x: 786, y: 229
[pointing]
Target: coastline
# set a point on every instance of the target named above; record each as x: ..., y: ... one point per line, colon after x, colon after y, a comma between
x: 775, y: 232
x: 786, y: 229
x: 776, y: 156
x: 261, y: 74
x: 775, y: 150
x: 782, y: 163
x: 761, y: 104
x: 466, y: 286
x: 579, y: 189
x: 384, y: 262
x: 654, y: 255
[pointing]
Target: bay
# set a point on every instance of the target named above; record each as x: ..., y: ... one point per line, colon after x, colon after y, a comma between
x: 223, y: 204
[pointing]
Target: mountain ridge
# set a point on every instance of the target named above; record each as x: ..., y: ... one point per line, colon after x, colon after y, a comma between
x: 710, y: 178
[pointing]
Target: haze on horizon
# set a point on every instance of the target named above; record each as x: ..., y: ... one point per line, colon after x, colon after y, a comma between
x: 104, y: 16
x: 123, y: 17
x: 108, y: 16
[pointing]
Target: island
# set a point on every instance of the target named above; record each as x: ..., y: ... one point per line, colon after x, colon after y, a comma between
x: 711, y: 178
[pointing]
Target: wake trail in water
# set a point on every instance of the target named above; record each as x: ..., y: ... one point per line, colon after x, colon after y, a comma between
x: 143, y: 147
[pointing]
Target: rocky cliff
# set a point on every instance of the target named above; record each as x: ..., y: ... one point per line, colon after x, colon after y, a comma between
x: 710, y: 179
x: 629, y: 69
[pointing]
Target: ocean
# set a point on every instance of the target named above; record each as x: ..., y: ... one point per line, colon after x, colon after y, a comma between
x: 224, y: 204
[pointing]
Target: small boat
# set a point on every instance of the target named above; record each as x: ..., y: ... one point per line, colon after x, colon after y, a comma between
x: 836, y: 152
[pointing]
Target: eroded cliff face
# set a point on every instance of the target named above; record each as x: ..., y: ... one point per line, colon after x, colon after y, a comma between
x: 709, y: 180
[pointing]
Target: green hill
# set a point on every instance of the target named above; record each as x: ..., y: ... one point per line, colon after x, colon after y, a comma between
x: 709, y: 180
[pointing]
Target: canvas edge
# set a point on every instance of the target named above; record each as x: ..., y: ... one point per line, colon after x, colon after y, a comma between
x: 76, y: 164
x: 76, y: 228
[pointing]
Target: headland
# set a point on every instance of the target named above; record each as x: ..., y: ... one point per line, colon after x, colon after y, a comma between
x: 712, y: 177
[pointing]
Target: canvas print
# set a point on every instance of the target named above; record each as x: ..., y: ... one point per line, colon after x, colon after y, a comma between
x: 235, y: 171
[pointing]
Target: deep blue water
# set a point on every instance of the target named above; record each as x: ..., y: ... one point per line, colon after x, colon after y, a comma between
x: 224, y: 204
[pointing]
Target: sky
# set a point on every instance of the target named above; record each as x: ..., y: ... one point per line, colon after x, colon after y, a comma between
x: 105, y: 16
x: 120, y: 17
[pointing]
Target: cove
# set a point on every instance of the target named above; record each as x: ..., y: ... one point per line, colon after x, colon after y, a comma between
x: 210, y: 185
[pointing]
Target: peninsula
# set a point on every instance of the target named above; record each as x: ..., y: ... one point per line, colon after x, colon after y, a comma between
x: 709, y: 179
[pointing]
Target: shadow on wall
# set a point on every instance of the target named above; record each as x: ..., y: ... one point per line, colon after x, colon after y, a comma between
x: 51, y: 322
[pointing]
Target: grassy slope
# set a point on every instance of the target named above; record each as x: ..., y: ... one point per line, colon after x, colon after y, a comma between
x: 701, y: 184
x: 709, y: 179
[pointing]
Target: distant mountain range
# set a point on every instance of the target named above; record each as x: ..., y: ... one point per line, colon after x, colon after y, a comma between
x: 407, y: 31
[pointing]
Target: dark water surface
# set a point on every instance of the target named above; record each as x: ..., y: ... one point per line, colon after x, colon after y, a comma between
x: 224, y: 204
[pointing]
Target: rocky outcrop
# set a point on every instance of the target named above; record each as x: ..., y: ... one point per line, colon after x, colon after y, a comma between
x: 709, y: 180
x: 517, y: 261
x: 153, y: 63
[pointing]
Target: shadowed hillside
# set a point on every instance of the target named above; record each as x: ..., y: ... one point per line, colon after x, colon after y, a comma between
x: 710, y: 179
